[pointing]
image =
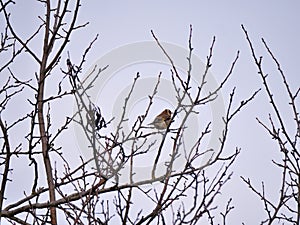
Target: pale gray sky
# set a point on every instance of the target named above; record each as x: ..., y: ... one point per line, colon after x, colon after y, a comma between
x: 120, y: 23
x: 125, y: 22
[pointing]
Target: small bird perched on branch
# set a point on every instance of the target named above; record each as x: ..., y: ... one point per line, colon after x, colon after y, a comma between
x: 163, y: 120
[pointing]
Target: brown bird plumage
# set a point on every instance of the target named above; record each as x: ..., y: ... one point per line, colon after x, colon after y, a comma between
x: 163, y: 120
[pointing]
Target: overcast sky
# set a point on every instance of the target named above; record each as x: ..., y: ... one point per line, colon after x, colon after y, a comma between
x: 121, y: 23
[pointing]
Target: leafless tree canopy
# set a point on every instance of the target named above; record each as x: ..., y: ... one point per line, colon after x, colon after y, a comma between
x: 78, y: 194
x: 287, y: 207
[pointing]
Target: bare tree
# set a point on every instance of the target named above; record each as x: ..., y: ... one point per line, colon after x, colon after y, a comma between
x: 287, y: 206
x: 78, y: 195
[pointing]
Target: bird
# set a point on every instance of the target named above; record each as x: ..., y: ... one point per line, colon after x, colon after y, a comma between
x: 163, y: 120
